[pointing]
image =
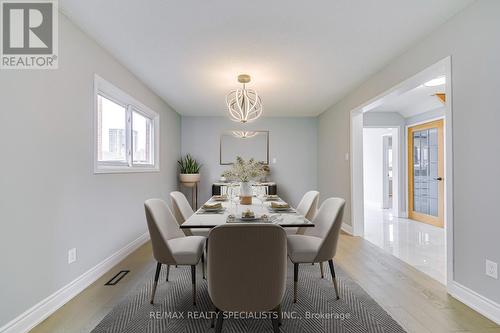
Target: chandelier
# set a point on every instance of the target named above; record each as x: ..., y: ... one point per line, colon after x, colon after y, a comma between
x: 244, y: 134
x: 244, y: 105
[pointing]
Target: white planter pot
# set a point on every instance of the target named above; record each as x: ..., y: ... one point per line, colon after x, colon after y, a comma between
x: 246, y: 189
x: 189, y: 178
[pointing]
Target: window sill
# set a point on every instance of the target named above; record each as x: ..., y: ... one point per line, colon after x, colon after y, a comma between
x: 115, y: 169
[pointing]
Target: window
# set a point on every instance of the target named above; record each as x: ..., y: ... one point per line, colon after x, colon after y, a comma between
x: 126, y: 132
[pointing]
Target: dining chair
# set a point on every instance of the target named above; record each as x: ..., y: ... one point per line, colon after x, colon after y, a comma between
x: 182, y: 211
x: 170, y: 245
x: 318, y: 244
x: 308, y: 206
x: 247, y: 269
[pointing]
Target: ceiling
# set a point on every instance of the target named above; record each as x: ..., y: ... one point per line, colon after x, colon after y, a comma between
x: 415, y: 97
x: 303, y: 56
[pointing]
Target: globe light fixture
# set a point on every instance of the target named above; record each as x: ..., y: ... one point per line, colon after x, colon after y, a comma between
x: 244, y: 105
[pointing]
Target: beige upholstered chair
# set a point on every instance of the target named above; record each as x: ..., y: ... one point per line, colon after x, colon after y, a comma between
x: 182, y: 211
x: 247, y: 269
x: 308, y: 206
x: 318, y: 244
x: 170, y: 245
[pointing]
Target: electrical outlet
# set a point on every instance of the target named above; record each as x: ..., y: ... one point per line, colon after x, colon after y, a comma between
x: 71, y: 255
x: 346, y: 156
x: 274, y: 160
x: 492, y: 269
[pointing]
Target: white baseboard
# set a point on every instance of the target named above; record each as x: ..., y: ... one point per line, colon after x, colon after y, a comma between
x: 39, y: 312
x: 472, y: 299
x: 347, y: 228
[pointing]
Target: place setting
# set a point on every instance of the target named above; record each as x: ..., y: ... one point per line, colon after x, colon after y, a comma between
x: 248, y: 216
x: 211, y: 208
x: 280, y: 207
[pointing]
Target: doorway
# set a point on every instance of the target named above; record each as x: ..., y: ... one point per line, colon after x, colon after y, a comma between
x: 419, y: 107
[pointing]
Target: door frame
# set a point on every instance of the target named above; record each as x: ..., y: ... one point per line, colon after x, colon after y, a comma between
x: 356, y: 149
x: 432, y: 220
x: 386, y: 186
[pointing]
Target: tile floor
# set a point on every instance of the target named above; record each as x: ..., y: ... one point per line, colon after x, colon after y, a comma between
x: 418, y: 244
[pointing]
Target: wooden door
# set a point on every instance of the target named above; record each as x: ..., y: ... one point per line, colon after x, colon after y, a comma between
x: 426, y: 172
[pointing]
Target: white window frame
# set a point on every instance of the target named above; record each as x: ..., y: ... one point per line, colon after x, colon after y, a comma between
x: 109, y: 91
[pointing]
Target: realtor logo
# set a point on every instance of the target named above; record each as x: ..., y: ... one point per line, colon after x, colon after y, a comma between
x: 29, y: 34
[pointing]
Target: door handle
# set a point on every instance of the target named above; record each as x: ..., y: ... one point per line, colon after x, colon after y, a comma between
x: 438, y: 179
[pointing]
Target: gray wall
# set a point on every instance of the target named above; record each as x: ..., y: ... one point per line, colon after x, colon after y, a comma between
x: 472, y: 39
x: 50, y: 200
x: 292, y: 141
x: 422, y: 117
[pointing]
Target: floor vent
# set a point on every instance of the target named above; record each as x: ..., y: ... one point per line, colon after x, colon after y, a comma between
x: 115, y: 279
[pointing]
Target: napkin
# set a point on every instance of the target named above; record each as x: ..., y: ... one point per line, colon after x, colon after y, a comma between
x: 212, y: 205
x: 279, y: 205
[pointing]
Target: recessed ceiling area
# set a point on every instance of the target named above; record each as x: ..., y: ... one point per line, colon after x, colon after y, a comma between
x: 303, y: 56
x: 417, y: 97
x: 418, y: 100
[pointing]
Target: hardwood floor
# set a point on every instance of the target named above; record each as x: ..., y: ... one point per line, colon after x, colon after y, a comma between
x: 419, y: 303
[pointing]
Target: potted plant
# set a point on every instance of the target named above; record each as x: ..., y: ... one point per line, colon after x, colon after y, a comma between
x: 190, y: 170
x: 244, y: 172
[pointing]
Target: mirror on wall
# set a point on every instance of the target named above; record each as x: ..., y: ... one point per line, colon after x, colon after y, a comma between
x: 247, y: 144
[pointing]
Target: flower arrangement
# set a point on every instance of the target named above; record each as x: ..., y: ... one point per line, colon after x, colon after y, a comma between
x: 244, y: 171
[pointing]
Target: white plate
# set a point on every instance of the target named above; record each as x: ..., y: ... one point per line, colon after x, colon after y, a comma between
x: 212, y: 209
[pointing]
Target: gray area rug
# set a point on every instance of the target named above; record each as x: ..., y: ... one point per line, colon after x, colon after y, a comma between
x: 316, y: 310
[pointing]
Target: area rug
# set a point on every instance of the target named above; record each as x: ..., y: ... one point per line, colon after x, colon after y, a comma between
x: 317, y: 309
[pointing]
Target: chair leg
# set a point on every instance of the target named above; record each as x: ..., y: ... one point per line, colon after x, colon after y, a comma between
x: 203, y: 265
x: 295, y: 280
x: 276, y: 323
x: 334, y: 278
x: 193, y: 281
x: 321, y: 269
x: 168, y: 272
x: 212, y: 321
x: 218, y: 326
x: 280, y: 315
x: 157, y: 276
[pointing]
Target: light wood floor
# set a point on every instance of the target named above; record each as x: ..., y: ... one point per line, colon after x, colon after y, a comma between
x: 419, y: 303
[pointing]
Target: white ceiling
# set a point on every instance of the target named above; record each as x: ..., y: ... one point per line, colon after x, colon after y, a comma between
x: 303, y: 55
x: 413, y: 97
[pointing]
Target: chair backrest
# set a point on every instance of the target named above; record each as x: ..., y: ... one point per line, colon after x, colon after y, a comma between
x: 247, y: 266
x: 181, y: 207
x: 327, y: 224
x: 308, y: 205
x: 162, y: 227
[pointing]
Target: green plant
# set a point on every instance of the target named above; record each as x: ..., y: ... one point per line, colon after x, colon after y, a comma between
x: 244, y: 171
x: 189, y: 165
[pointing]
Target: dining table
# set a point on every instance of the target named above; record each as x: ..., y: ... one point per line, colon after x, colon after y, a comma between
x: 232, y: 210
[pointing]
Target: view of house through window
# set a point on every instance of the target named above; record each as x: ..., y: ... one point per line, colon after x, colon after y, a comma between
x: 141, y: 138
x: 112, y: 120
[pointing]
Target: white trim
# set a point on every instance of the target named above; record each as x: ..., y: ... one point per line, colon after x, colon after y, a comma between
x: 448, y: 175
x: 481, y: 304
x: 356, y: 168
x: 36, y: 314
x: 347, y: 228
